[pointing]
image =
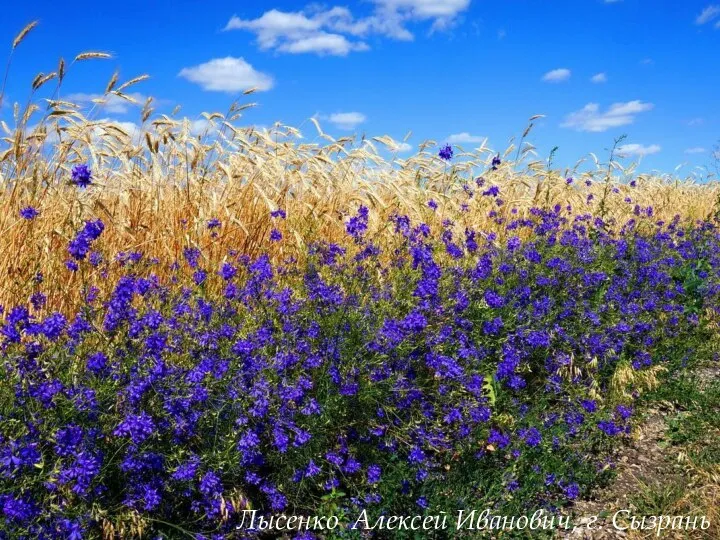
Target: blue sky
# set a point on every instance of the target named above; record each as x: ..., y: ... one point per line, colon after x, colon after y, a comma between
x: 449, y: 70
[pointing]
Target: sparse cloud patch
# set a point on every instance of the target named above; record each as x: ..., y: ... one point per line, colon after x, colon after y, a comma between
x: 347, y: 120
x: 709, y: 14
x: 465, y: 138
x: 402, y: 147
x: 599, y: 78
x: 591, y: 118
x: 227, y: 75
x: 696, y: 150
x: 638, y: 150
x: 336, y: 31
x: 323, y: 43
x: 557, y: 75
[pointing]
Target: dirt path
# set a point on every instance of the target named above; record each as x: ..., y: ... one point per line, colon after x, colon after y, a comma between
x: 654, y: 477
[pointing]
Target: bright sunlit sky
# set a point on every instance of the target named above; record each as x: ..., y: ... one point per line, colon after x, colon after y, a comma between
x: 453, y: 71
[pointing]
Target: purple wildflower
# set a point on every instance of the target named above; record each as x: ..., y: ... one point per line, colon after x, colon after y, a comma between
x: 29, y: 213
x: 81, y: 176
x: 446, y: 152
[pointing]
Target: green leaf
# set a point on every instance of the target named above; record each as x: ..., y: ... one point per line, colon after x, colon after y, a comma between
x: 489, y: 388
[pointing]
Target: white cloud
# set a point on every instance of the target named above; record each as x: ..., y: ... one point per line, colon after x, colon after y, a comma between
x: 464, y: 137
x: 404, y: 147
x: 442, y: 13
x: 274, y: 23
x: 323, y: 43
x: 590, y: 118
x: 400, y: 147
x: 696, y: 122
x: 113, y: 104
x: 347, y: 120
x: 336, y: 31
x: 298, y: 33
x: 599, y: 78
x: 227, y: 75
x: 638, y: 150
x: 425, y: 9
x: 557, y: 75
x: 696, y: 150
x: 708, y: 14
x: 201, y: 126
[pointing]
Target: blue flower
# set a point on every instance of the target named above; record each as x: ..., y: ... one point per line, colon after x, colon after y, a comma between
x: 136, y: 426
x: 210, y: 484
x: 589, y: 405
x: 29, y: 213
x: 493, y: 299
x: 446, y: 152
x: 532, y: 437
x: 358, y: 224
x: 81, y: 176
x: 192, y: 256
x: 228, y: 271
x: 18, y: 509
x: 312, y: 470
x: 624, y: 412
x: 80, y: 245
x: 373, y: 474
x: 187, y: 470
x: 572, y: 491
x: 97, y: 362
x: 609, y: 428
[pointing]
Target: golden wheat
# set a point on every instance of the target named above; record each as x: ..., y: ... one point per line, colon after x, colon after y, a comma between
x: 157, y: 183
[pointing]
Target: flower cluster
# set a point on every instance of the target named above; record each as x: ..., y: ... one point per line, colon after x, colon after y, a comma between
x: 438, y: 370
x: 79, y: 247
x: 446, y: 152
x: 29, y: 213
x: 81, y: 175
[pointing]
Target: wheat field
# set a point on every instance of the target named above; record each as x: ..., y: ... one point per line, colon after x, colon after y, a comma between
x: 157, y: 183
x: 156, y: 187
